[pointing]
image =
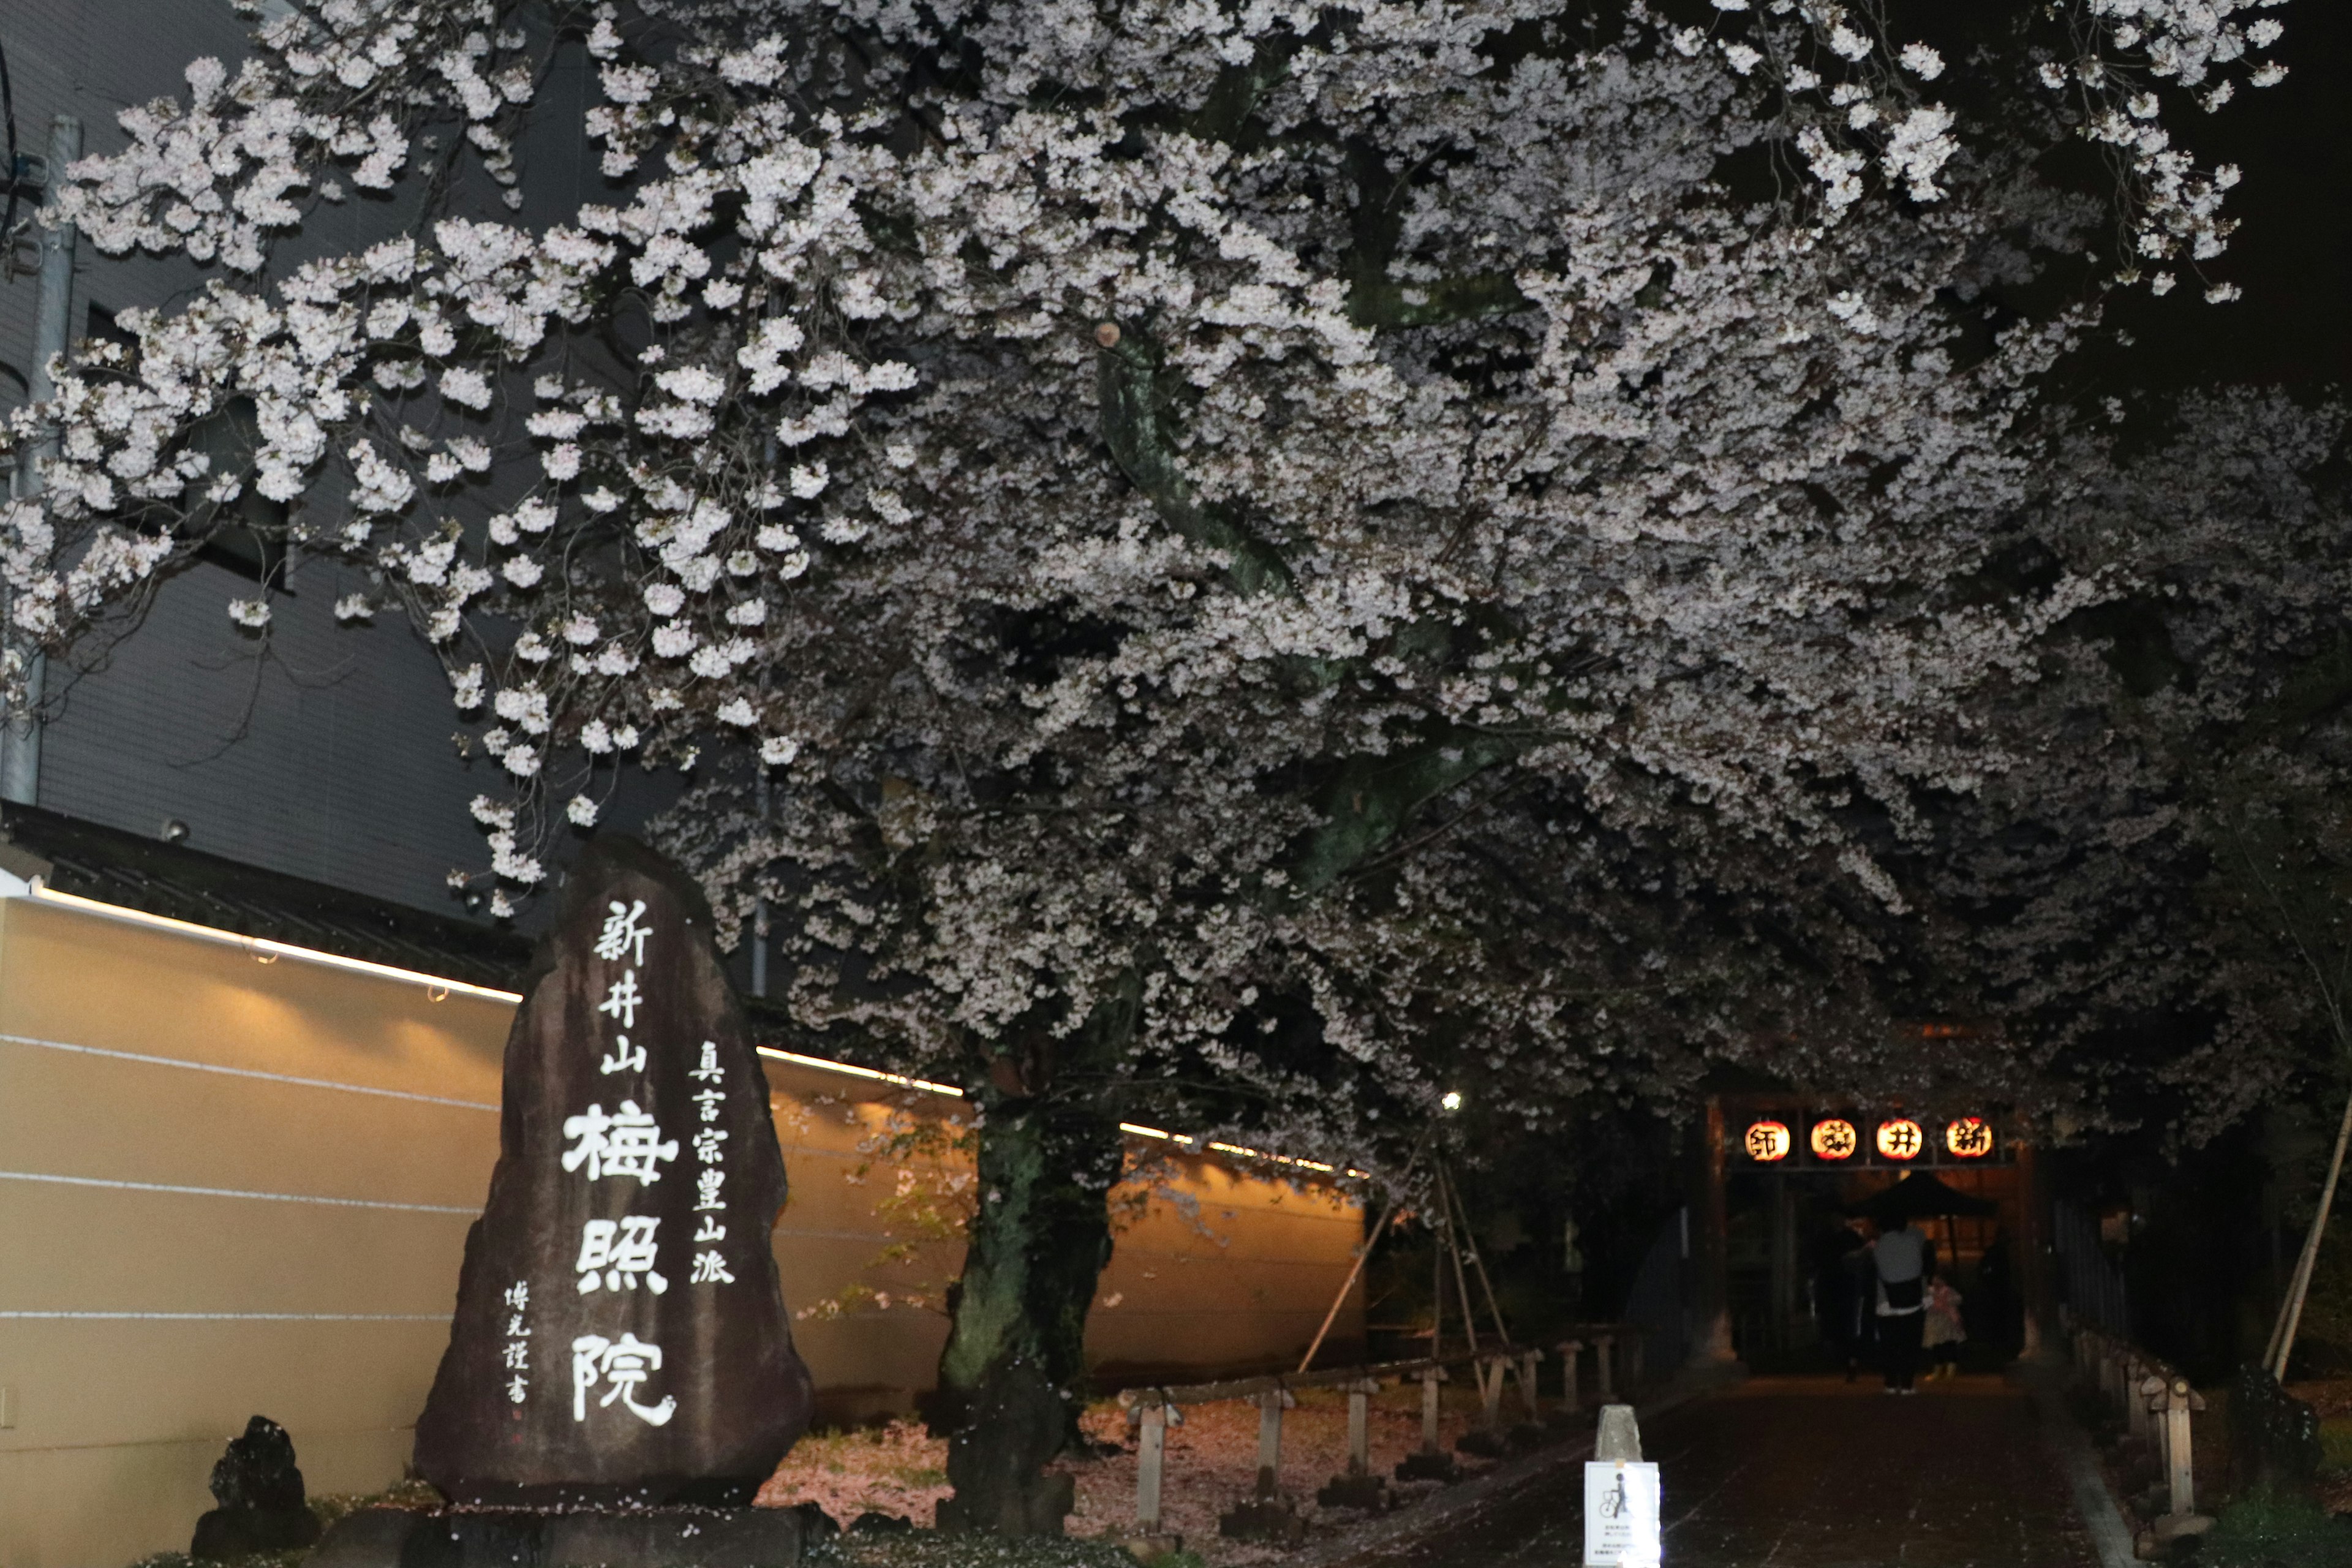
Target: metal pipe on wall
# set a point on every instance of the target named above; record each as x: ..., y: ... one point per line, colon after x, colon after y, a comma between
x: 20, y: 736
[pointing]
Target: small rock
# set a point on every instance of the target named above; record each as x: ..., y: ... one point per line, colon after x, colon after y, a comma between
x: 1272, y: 1520
x: 1479, y: 1444
x: 1424, y: 1466
x: 259, y: 1489
x: 815, y: 1523
x: 1366, y: 1492
x: 2175, y: 1527
x: 1526, y: 1437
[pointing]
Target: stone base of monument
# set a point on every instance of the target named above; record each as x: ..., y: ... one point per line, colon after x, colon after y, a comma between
x: 507, y: 1537
x: 224, y: 1534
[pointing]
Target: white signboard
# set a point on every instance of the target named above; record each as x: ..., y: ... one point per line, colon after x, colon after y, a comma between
x: 1620, y: 1515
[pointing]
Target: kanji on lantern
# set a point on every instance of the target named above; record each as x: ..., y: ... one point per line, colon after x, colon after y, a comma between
x: 1767, y: 1142
x: 1834, y: 1139
x: 626, y: 1143
x: 1901, y: 1139
x: 1970, y: 1137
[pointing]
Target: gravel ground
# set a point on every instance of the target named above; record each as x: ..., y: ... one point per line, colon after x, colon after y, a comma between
x: 1212, y: 1464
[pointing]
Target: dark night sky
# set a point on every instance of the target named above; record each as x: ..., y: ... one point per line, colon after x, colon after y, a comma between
x: 2292, y: 252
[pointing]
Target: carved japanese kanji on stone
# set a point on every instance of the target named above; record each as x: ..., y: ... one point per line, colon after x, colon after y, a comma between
x: 621, y: 1335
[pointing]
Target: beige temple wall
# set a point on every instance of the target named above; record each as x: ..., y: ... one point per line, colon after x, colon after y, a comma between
x: 230, y: 1188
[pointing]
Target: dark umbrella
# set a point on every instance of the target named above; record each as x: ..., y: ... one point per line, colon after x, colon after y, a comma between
x: 1921, y: 1194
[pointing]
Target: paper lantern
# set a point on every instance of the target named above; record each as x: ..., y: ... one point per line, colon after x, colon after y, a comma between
x: 1901, y: 1139
x: 1835, y: 1139
x: 1767, y: 1142
x: 1969, y: 1138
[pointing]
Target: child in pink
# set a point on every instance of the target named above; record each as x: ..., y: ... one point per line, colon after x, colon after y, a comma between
x: 1944, y: 1333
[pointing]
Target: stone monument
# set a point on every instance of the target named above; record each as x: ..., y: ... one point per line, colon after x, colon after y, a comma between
x: 621, y: 1343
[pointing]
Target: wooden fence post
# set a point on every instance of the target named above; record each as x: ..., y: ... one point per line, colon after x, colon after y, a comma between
x: 1527, y: 1383
x: 1570, y: 1351
x: 1430, y: 1378
x: 1150, y: 1450
x: 1360, y: 1426
x: 2138, y: 1375
x: 1603, y: 1345
x: 1270, y: 1406
x: 2180, y: 1400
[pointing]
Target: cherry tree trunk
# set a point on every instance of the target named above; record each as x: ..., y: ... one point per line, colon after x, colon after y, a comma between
x: 1012, y: 1376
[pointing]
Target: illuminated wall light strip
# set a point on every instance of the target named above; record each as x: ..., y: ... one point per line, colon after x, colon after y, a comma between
x: 260, y: 945
x: 246, y: 1072
x: 822, y: 1064
x: 1135, y: 1129
x: 181, y: 1190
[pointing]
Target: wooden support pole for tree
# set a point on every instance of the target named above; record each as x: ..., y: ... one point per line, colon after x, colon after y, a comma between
x: 1454, y: 1251
x: 1470, y: 1245
x: 2290, y: 1318
x: 1151, y: 1448
x: 1490, y: 1388
x: 1363, y: 1256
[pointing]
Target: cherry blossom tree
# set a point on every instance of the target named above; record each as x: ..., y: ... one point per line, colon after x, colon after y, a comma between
x: 1246, y: 562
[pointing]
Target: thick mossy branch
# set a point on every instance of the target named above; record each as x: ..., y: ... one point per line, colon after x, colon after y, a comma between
x: 1370, y: 800
x: 1225, y: 114
x: 1379, y: 302
x: 1137, y: 434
